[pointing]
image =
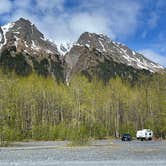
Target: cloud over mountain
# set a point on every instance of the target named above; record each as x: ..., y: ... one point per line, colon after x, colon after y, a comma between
x: 68, y: 20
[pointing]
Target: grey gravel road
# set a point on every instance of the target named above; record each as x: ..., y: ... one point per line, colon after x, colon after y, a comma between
x: 103, y: 152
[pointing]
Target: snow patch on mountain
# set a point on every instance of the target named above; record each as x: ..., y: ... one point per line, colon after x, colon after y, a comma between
x: 102, y: 45
x: 133, y: 52
x: 25, y: 43
x: 65, y: 47
x: 6, y: 29
x: 139, y: 60
x: 87, y: 45
x: 16, y: 41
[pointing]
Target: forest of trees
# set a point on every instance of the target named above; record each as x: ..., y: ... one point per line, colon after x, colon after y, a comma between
x: 41, y: 108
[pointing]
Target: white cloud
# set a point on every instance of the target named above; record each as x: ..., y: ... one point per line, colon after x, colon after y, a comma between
x: 61, y: 23
x: 150, y: 54
x: 82, y: 22
x: 109, y: 17
x: 20, y: 4
x: 69, y: 27
x: 123, y: 16
x: 57, y: 29
x: 5, y: 6
x: 49, y: 6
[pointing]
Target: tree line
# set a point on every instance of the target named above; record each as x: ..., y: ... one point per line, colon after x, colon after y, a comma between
x: 41, y: 108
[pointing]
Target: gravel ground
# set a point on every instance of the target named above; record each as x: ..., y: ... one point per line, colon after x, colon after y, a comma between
x: 102, y: 152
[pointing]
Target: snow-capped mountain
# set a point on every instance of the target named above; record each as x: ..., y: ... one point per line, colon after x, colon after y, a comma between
x: 24, y: 48
x: 118, y: 52
x: 96, y: 54
x: 25, y: 36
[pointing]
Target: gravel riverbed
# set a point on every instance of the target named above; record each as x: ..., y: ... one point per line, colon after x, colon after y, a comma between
x: 100, y: 152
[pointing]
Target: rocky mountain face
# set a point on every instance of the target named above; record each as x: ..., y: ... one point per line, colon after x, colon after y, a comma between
x: 96, y: 54
x: 24, y: 49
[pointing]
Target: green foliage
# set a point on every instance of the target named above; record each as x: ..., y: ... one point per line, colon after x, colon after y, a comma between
x: 16, y: 63
x: 41, y: 67
x: 79, y: 135
x: 23, y: 64
x: 40, y: 108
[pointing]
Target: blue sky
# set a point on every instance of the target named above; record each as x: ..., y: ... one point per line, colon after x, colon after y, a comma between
x: 140, y: 24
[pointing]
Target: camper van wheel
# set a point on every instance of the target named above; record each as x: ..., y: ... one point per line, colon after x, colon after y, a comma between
x: 142, y: 139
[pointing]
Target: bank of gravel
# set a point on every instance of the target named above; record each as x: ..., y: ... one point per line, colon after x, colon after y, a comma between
x: 100, y: 152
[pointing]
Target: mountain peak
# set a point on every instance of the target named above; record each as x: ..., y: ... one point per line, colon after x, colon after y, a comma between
x: 25, y: 36
x: 92, y: 37
x: 21, y: 19
x: 24, y: 49
x: 94, y: 40
x: 109, y: 49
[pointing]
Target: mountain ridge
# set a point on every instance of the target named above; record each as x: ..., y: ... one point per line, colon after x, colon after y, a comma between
x: 22, y: 37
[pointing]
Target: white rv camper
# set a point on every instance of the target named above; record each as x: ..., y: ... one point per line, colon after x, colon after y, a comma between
x: 145, y: 134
